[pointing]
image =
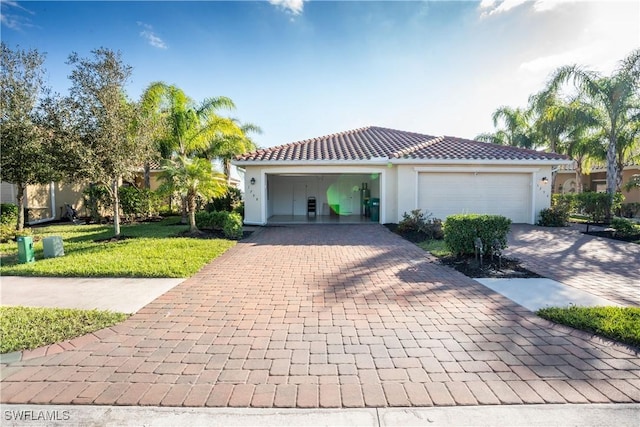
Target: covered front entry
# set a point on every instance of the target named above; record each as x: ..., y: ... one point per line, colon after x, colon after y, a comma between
x: 508, y: 194
x: 321, y: 198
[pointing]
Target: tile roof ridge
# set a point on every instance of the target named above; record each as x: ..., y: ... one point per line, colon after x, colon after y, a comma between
x: 415, y: 147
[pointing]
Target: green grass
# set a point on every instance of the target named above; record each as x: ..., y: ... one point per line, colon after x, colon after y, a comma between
x: 26, y: 328
x: 436, y: 247
x: 617, y: 323
x: 148, y: 251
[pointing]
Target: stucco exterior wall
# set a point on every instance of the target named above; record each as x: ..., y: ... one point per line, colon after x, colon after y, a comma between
x: 596, y: 181
x: 408, y: 189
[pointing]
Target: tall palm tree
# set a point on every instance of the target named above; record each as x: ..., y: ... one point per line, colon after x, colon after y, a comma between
x: 615, y: 96
x: 226, y: 146
x: 189, y: 128
x: 191, y: 178
x: 516, y: 129
x: 566, y: 128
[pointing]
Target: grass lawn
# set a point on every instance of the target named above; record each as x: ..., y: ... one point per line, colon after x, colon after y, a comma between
x: 26, y: 328
x: 148, y: 251
x: 435, y: 247
x: 621, y: 324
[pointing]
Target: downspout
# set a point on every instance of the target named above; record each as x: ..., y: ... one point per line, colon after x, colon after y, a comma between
x: 52, y: 194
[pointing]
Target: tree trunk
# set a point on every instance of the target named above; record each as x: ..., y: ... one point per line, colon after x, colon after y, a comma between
x: 579, y: 177
x: 116, y: 209
x: 226, y: 165
x: 147, y: 176
x: 612, y: 173
x: 20, y: 200
x: 183, y: 220
x: 192, y: 213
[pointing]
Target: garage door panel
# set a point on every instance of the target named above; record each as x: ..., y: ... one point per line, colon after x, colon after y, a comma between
x: 444, y: 194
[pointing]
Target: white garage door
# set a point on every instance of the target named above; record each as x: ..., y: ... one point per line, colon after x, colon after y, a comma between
x: 507, y: 194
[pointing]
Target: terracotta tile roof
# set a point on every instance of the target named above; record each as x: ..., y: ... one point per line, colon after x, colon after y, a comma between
x: 381, y: 143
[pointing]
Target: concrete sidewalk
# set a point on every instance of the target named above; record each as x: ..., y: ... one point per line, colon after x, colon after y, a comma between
x: 125, y: 295
x: 518, y: 415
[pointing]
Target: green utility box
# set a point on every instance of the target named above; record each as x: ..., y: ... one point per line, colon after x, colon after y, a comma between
x: 53, y: 247
x: 375, y: 209
x: 25, y: 250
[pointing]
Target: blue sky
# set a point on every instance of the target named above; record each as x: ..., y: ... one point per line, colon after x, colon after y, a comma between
x: 301, y: 69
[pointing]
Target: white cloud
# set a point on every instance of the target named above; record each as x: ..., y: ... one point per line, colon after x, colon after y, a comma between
x: 148, y: 34
x: 12, y: 20
x: 292, y: 6
x: 492, y: 7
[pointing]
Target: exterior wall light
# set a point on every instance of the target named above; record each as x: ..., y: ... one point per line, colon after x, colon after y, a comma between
x: 545, y: 180
x: 253, y: 181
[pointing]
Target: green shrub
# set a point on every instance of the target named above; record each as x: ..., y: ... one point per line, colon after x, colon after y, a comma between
x: 96, y: 199
x: 624, y: 227
x: 629, y: 210
x: 228, y: 202
x: 211, y: 220
x: 139, y: 202
x: 556, y: 216
x: 461, y: 231
x: 418, y: 222
x: 232, y: 227
x: 590, y: 203
x: 568, y: 202
x: 8, y: 221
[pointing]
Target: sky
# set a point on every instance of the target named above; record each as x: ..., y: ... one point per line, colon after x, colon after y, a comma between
x: 303, y: 69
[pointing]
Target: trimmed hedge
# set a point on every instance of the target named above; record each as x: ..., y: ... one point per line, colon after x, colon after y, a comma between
x: 230, y: 223
x: 589, y: 203
x: 461, y: 231
x: 556, y: 216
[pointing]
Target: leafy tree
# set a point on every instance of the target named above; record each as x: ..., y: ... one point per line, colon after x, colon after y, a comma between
x: 33, y: 126
x: 616, y: 97
x: 191, y: 178
x: 107, y: 121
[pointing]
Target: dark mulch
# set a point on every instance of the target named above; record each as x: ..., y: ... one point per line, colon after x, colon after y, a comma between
x: 210, y: 234
x: 413, y: 236
x: 506, y: 268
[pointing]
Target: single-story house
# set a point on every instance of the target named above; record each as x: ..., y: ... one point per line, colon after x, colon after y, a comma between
x: 335, y: 177
x: 596, y: 180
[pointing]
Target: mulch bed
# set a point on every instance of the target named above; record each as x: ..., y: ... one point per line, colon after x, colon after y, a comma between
x: 210, y: 234
x: 507, y: 268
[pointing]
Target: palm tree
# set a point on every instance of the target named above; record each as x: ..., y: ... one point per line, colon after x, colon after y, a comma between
x: 227, y: 146
x: 615, y: 96
x: 189, y: 128
x: 516, y: 130
x: 566, y: 128
x: 191, y: 178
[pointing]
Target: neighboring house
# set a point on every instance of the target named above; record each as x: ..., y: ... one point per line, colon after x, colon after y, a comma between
x: 596, y: 180
x: 47, y: 202
x: 404, y: 170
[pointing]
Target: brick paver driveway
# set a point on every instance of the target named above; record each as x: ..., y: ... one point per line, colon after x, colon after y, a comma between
x: 607, y: 268
x: 328, y: 316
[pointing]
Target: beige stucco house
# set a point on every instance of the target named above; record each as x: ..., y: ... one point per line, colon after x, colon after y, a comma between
x: 596, y: 180
x: 441, y: 175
